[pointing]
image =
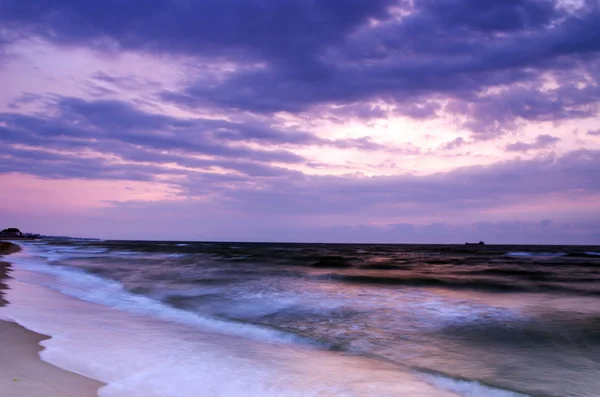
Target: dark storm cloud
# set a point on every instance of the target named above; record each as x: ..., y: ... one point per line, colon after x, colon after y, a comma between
x: 425, y: 55
x: 346, y: 52
x: 541, y: 142
x: 275, y: 28
x: 492, y: 15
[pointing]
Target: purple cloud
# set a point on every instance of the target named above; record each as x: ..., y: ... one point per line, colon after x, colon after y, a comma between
x: 541, y: 142
x: 454, y: 144
x: 114, y: 126
x: 315, y: 53
x: 469, y: 188
x: 147, y: 144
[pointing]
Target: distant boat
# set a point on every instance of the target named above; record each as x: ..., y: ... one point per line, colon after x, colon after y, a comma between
x: 479, y: 243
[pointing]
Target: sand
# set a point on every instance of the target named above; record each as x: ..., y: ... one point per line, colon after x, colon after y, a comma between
x: 22, y: 372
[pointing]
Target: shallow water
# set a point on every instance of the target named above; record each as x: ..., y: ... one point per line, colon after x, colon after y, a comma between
x: 312, y: 319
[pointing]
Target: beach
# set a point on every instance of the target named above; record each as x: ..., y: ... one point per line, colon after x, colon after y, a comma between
x: 22, y: 372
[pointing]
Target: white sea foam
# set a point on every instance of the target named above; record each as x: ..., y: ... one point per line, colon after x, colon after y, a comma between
x: 91, y: 288
x: 56, y: 253
x: 126, y: 253
x: 174, y: 255
x: 468, y: 388
x: 535, y: 254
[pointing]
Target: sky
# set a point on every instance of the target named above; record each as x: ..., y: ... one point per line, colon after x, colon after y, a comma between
x: 392, y: 121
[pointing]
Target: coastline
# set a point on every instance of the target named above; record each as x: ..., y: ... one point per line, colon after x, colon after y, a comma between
x: 22, y: 372
x: 6, y: 248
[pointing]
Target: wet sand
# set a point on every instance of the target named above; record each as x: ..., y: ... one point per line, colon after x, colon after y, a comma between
x: 22, y: 372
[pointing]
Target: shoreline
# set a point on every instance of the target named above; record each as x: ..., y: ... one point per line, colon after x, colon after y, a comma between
x: 6, y: 248
x: 22, y: 371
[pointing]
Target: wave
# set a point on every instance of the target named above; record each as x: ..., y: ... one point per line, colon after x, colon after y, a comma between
x: 535, y: 254
x: 426, y: 282
x: 546, y: 329
x: 488, y: 285
x: 531, y: 274
x: 583, y: 254
x: 468, y: 388
x: 384, y: 266
x: 332, y: 262
x: 573, y: 254
x: 91, y: 288
x: 137, y: 356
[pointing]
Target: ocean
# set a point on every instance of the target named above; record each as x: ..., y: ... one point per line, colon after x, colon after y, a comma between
x: 268, y: 319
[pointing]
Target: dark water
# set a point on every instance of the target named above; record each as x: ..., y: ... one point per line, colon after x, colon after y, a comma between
x: 520, y: 318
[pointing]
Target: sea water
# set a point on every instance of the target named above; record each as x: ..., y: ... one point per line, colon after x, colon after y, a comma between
x: 217, y: 319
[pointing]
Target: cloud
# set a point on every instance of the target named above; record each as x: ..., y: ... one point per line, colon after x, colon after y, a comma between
x: 210, y: 157
x: 461, y: 191
x: 73, y: 137
x: 249, y: 26
x: 492, y: 16
x: 79, y: 130
x: 112, y: 140
x: 541, y: 142
x: 491, y: 60
x: 68, y: 166
x: 495, y: 113
x: 456, y: 63
x: 80, y: 123
x: 454, y: 144
x: 130, y: 82
x: 593, y: 133
x: 282, y: 227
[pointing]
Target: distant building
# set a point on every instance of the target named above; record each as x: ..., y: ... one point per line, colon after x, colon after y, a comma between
x: 32, y: 235
x: 11, y: 232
